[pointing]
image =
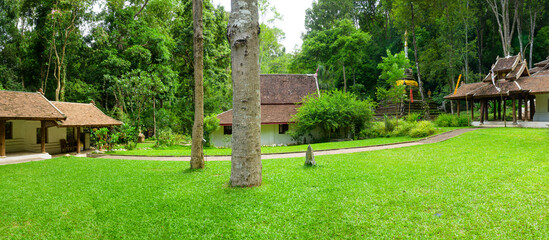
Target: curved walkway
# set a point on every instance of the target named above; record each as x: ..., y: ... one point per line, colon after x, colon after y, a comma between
x: 433, y: 139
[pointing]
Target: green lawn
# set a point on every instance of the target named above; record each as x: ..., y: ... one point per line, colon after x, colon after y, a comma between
x: 489, y: 183
x: 144, y: 149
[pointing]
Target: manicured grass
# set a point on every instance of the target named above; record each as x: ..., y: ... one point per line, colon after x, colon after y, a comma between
x: 489, y: 183
x: 145, y: 149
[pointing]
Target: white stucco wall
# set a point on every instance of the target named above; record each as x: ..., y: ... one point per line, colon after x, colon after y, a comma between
x: 542, y: 105
x: 24, y: 138
x: 269, y: 136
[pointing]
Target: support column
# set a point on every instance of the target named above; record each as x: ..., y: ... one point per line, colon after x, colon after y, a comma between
x: 2, y: 138
x: 472, y: 110
x: 514, y: 111
x: 43, y: 136
x: 458, y: 110
x: 78, y: 140
x: 482, y: 112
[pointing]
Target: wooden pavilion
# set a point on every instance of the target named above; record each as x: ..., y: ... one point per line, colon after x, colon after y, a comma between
x: 20, y: 113
x: 81, y: 115
x: 26, y: 106
x: 509, y: 80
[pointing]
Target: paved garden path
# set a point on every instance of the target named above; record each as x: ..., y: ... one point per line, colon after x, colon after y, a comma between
x: 432, y: 139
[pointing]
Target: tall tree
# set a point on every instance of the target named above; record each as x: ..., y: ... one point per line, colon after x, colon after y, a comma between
x: 243, y: 36
x: 425, y: 105
x: 197, y: 152
x: 506, y: 25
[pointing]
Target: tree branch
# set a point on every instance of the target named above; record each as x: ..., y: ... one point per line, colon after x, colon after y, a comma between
x: 144, y: 5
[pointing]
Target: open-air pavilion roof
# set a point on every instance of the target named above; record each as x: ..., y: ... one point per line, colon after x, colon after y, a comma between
x: 84, y: 115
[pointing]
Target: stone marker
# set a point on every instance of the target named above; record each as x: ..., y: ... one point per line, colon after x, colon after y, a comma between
x: 310, y: 157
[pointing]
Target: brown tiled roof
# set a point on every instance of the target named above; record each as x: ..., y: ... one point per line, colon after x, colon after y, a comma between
x: 506, y: 64
x: 286, y: 89
x: 535, y: 70
x: 542, y: 63
x: 27, y: 106
x: 534, y: 81
x: 270, y: 114
x: 84, y: 115
x: 466, y: 90
x: 536, y: 84
x: 519, y: 71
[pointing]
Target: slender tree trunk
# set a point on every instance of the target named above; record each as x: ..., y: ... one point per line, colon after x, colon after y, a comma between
x: 533, y: 12
x: 243, y: 36
x: 197, y: 151
x: 518, y: 20
x: 506, y: 27
x: 480, y: 39
x: 425, y: 105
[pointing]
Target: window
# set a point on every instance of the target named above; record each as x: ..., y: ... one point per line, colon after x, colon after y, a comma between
x: 283, y: 128
x: 9, y: 130
x: 227, y: 130
x: 39, y: 136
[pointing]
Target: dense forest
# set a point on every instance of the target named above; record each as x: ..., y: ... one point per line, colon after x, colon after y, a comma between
x: 134, y: 58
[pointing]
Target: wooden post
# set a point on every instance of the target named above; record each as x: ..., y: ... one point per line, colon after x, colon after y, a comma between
x: 482, y: 112
x: 43, y: 135
x: 2, y: 138
x: 514, y: 111
x: 520, y: 108
x: 472, y: 110
x: 499, y: 110
x: 78, y: 140
x: 458, y: 110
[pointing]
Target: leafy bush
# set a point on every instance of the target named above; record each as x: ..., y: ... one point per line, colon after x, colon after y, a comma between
x: 166, y: 138
x: 103, y: 139
x: 448, y: 120
x: 336, y: 113
x: 389, y: 125
x: 422, y: 129
x: 128, y: 136
x: 405, y: 128
x: 413, y: 117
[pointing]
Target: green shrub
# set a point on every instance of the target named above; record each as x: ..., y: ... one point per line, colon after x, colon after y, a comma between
x: 389, y: 125
x: 336, y: 113
x: 413, y: 117
x: 448, y: 120
x: 403, y: 129
x: 422, y: 129
x: 166, y: 138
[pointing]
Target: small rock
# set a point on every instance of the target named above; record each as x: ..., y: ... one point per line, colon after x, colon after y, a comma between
x: 310, y: 157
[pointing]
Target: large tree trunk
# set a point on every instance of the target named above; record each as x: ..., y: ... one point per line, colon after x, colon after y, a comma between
x: 425, y: 105
x: 197, y: 151
x: 243, y: 35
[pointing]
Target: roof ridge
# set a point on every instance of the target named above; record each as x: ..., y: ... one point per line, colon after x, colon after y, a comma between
x: 53, y: 105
